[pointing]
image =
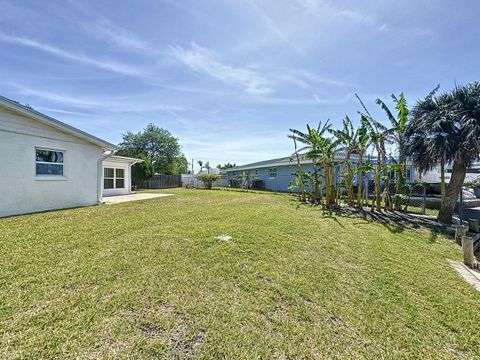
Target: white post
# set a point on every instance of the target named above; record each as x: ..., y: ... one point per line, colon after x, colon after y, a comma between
x: 459, y: 233
x: 468, y: 256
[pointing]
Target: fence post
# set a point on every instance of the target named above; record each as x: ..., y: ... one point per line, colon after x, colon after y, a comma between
x: 459, y: 233
x: 460, y: 206
x: 468, y: 256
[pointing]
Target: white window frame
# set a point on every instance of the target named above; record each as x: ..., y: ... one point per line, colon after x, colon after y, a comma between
x: 114, y: 178
x: 48, y: 176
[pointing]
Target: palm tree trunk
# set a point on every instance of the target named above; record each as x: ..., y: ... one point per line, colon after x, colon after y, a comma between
x: 442, y: 182
x: 452, y: 192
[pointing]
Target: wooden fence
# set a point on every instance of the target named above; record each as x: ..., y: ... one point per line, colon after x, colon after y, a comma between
x: 162, y: 182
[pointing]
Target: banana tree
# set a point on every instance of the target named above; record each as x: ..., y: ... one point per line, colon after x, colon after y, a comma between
x: 299, y: 170
x: 386, y: 178
x: 326, y: 153
x: 379, y: 136
x: 397, y: 132
x: 348, y: 138
x: 362, y: 146
x: 311, y: 142
x: 361, y: 169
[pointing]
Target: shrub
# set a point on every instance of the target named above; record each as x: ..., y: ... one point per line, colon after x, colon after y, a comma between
x: 208, y: 179
x: 143, y: 171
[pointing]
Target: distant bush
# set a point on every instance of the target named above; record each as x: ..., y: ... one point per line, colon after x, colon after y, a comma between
x: 208, y: 179
x: 143, y: 171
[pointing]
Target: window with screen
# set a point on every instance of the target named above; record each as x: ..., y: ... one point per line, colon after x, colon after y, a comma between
x: 272, y: 172
x: 113, y: 178
x: 119, y: 178
x: 48, y: 162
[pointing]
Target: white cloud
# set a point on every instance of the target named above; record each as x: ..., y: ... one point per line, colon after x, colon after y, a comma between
x: 111, y: 33
x: 61, y: 111
x: 323, y: 9
x: 141, y: 103
x: 203, y: 60
x: 309, y: 80
x: 78, y: 57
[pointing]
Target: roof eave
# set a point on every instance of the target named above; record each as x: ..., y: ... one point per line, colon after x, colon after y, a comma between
x: 57, y: 124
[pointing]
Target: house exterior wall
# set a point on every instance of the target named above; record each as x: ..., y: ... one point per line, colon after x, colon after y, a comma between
x: 117, y: 164
x: 21, y: 190
x: 433, y: 176
x: 285, y: 175
x: 280, y: 182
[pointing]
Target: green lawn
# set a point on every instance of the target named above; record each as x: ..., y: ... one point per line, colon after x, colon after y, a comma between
x: 150, y: 279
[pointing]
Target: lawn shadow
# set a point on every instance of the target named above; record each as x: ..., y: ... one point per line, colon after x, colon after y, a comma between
x: 334, y: 218
x: 396, y: 222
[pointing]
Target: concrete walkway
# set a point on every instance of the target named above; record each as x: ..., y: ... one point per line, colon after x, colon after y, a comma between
x: 471, y: 276
x: 110, y: 200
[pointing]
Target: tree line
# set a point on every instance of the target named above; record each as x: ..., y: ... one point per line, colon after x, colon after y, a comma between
x: 158, y: 148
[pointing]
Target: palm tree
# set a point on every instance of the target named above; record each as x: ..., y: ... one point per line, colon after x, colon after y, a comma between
x: 459, y: 126
x: 430, y: 147
x: 200, y: 163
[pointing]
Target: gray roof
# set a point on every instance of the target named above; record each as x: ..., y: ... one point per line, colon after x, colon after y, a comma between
x: 265, y: 163
x: 287, y: 160
x: 57, y: 124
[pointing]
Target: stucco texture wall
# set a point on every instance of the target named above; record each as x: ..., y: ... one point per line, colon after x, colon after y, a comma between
x: 21, y: 190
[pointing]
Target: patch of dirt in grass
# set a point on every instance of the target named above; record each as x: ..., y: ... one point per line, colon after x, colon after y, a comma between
x: 150, y: 331
x: 224, y: 237
x: 182, y: 345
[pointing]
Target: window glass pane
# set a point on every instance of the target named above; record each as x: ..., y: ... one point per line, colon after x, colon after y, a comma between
x: 49, y: 169
x: 57, y: 156
x: 272, y: 172
x: 119, y: 183
x: 49, y: 156
x: 108, y: 172
x: 120, y: 173
x: 108, y: 183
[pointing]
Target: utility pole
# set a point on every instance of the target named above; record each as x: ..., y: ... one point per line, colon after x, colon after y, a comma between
x: 192, y: 166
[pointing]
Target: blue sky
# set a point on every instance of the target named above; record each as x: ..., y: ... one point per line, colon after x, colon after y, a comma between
x: 229, y: 77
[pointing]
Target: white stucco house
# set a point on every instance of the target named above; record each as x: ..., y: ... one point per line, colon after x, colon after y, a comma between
x: 48, y: 164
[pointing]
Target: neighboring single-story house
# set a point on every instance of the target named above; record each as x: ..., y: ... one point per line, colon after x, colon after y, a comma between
x: 277, y: 174
x: 48, y: 164
x: 433, y: 176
